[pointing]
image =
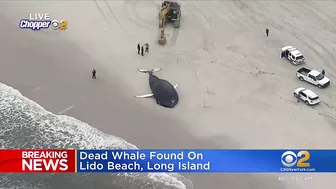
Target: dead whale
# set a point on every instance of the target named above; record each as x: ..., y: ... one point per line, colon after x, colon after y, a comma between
x: 164, y: 92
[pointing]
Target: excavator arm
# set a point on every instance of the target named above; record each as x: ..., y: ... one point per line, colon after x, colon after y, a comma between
x: 163, y: 18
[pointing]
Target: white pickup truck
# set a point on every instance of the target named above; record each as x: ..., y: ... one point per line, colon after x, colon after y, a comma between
x: 314, y: 77
x: 292, y: 54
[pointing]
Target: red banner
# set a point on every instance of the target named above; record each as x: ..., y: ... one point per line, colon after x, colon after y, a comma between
x: 18, y: 161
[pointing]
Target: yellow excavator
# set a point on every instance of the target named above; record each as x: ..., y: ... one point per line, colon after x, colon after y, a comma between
x: 170, y: 11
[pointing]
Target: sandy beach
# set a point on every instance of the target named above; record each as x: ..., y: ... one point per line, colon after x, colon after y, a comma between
x: 235, y: 91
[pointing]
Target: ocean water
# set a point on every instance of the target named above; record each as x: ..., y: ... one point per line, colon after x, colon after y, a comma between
x: 25, y: 124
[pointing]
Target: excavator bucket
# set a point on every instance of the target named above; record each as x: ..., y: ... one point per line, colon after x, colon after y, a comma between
x: 162, y: 39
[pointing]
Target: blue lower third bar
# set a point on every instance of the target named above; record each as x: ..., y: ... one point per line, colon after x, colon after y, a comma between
x: 211, y: 161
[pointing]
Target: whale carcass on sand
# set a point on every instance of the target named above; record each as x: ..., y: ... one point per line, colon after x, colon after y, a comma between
x: 164, y: 92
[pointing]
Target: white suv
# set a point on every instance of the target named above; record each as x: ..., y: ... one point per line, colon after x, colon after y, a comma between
x: 292, y: 54
x: 306, y: 95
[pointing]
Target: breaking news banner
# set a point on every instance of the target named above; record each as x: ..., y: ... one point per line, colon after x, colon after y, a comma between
x: 18, y: 161
x: 192, y: 161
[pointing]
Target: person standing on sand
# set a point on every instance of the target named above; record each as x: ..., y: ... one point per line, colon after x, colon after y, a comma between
x: 138, y: 48
x: 298, y: 98
x: 142, y: 51
x: 267, y: 31
x: 147, y: 48
x: 94, y: 74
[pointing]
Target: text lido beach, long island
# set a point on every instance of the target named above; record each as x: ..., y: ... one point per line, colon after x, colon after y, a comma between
x: 155, y: 161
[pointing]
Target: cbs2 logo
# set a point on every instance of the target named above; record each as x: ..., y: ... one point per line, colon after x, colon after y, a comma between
x: 62, y: 25
x: 289, y: 159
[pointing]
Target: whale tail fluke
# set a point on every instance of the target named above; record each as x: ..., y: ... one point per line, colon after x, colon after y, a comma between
x: 155, y: 69
x: 149, y: 71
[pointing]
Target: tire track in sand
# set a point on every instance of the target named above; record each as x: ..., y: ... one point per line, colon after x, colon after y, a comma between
x: 101, y: 11
x: 135, y: 18
x: 116, y: 18
x: 106, y: 18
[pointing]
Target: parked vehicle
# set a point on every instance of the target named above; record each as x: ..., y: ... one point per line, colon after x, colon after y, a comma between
x: 307, y: 96
x: 312, y: 76
x: 292, y: 54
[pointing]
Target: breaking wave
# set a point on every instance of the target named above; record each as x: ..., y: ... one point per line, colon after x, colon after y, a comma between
x: 25, y: 124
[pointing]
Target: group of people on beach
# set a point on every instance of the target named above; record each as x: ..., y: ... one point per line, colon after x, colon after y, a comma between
x: 141, y: 51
